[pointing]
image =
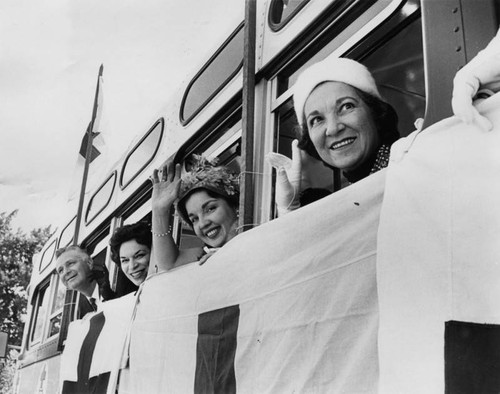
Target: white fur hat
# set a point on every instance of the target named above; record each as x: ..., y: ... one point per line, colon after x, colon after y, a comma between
x: 333, y: 69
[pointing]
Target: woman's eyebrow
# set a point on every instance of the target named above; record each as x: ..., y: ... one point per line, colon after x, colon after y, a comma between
x: 343, y: 98
x: 208, y: 202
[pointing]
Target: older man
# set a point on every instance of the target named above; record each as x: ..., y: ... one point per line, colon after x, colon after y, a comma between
x: 77, y: 272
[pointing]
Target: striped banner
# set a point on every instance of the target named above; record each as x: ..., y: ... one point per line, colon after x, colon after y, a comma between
x: 95, y: 349
x: 288, y: 307
x: 438, y: 269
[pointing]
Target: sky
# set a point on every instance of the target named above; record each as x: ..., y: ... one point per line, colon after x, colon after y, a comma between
x: 50, y: 53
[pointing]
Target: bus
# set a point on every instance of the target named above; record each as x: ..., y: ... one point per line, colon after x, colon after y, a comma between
x: 238, y: 107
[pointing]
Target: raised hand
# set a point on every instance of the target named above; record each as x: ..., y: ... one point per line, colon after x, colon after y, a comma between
x: 166, y: 185
x: 289, y: 175
x: 481, y: 73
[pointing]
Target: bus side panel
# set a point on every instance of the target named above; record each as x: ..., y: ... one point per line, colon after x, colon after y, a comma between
x: 41, y: 377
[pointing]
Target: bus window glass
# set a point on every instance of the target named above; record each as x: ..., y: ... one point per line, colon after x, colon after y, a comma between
x: 100, y: 199
x: 57, y: 307
x: 39, y: 314
x: 219, y: 70
x: 281, y: 11
x: 47, y: 256
x: 288, y: 78
x: 142, y: 154
x: 401, y: 81
x: 67, y: 234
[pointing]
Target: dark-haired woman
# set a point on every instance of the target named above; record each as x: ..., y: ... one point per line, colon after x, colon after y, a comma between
x: 207, y: 200
x: 131, y: 250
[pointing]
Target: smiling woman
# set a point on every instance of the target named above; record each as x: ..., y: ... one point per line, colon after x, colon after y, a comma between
x: 131, y: 250
x: 207, y: 200
x: 345, y: 122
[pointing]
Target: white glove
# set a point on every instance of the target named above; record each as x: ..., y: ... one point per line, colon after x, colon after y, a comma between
x: 481, y: 72
x: 288, y: 181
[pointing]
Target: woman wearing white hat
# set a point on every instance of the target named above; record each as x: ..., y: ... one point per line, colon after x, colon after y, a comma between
x: 344, y: 122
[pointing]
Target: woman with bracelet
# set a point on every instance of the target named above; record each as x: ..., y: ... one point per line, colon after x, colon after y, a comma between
x: 207, y: 200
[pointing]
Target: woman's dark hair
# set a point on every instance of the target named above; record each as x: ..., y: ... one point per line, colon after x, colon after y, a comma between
x: 384, y: 115
x: 140, y: 232
x: 233, y: 201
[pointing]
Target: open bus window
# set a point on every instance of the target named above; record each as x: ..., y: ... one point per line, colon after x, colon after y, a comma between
x: 226, y: 147
x: 395, y: 56
x: 40, y: 307
x: 121, y: 284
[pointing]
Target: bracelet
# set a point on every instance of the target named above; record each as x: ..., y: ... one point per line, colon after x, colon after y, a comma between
x: 161, y: 234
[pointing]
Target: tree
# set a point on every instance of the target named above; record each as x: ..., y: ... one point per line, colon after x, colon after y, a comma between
x: 16, y: 253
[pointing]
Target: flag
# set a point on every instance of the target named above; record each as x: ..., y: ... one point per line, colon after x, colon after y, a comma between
x: 95, y: 151
x: 438, y: 271
x: 95, y: 347
x: 290, y: 306
x: 97, y: 163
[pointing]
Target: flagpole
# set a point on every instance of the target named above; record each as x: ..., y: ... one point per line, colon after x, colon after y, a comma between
x: 88, y: 152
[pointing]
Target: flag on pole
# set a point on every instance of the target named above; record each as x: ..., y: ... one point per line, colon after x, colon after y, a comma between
x: 95, y: 131
x: 93, y: 128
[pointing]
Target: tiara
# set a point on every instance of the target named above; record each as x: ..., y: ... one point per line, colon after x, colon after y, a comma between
x: 206, y: 174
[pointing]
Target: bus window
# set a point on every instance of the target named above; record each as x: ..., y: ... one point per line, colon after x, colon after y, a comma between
x: 101, y: 198
x: 40, y: 308
x: 394, y: 55
x: 213, y: 76
x: 57, y: 306
x: 282, y: 11
x: 66, y: 237
x: 47, y: 256
x: 142, y: 154
x: 401, y: 81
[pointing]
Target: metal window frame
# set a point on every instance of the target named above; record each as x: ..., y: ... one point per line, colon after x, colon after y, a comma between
x: 113, y: 176
x: 185, y: 121
x: 275, y: 27
x: 151, y: 129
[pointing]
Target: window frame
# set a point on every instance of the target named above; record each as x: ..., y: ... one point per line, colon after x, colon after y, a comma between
x: 35, y: 316
x: 186, y: 121
x: 55, y: 285
x: 67, y: 227
x: 155, y: 152
x: 276, y: 27
x: 42, y: 267
x: 113, y: 176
